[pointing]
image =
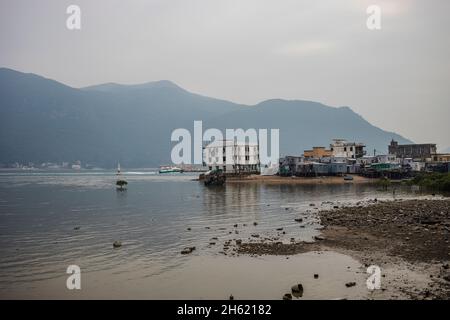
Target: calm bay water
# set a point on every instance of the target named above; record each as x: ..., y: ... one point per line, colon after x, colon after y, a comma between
x: 49, y: 220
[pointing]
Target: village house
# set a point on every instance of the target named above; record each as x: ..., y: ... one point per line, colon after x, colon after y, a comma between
x: 441, y: 157
x: 366, y: 160
x: 343, y: 148
x: 386, y: 158
x: 291, y: 165
x: 317, y: 153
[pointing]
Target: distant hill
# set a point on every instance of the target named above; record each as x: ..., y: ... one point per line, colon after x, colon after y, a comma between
x: 42, y: 120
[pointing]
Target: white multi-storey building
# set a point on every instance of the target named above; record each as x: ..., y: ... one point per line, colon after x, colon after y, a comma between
x: 349, y: 150
x: 231, y: 156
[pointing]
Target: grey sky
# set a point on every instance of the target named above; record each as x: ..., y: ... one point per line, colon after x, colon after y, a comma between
x: 398, y: 78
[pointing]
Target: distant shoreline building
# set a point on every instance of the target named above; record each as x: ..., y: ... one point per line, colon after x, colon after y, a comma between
x: 341, y: 148
x: 441, y: 157
x: 232, y: 157
x: 345, y: 157
x: 317, y: 152
x: 423, y: 152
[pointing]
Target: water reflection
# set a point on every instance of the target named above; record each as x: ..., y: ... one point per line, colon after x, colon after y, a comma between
x: 231, y: 200
x: 121, y: 197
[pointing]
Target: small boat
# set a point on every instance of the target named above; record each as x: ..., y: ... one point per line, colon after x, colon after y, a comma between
x: 348, y: 177
x: 170, y: 170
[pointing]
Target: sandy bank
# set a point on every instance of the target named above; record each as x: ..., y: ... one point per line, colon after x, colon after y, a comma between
x: 298, y: 180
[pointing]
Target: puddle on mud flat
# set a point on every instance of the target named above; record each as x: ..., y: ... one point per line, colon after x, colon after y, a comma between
x: 217, y: 277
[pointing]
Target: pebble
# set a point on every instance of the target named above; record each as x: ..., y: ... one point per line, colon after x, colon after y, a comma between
x: 117, y: 244
x: 187, y: 250
x: 287, y: 296
x: 297, y: 290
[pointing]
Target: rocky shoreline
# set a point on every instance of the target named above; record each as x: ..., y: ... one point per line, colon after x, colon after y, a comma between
x: 416, y: 230
x: 409, y: 235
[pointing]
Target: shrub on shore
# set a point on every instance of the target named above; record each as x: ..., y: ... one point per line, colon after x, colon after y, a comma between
x: 434, y: 181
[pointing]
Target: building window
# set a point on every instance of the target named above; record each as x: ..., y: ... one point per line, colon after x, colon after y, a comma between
x: 247, y: 157
x: 345, y: 148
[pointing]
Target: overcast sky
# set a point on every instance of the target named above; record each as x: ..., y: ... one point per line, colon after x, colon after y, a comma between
x: 398, y: 78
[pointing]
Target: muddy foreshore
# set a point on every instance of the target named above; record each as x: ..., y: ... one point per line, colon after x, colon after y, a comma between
x: 407, y: 238
x: 278, y: 180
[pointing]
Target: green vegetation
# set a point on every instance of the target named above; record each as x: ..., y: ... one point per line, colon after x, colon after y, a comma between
x: 434, y: 181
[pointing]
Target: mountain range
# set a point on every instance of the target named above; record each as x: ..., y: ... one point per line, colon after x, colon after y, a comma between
x: 42, y: 120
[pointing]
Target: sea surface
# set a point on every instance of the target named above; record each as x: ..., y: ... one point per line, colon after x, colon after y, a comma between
x: 50, y: 220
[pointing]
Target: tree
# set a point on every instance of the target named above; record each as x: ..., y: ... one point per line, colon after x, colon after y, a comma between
x: 121, y: 184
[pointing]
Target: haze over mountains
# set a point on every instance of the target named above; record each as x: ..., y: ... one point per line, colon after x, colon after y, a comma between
x: 42, y: 120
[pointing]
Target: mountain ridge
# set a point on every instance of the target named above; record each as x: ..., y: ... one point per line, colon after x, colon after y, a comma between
x: 110, y: 86
x: 43, y: 120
